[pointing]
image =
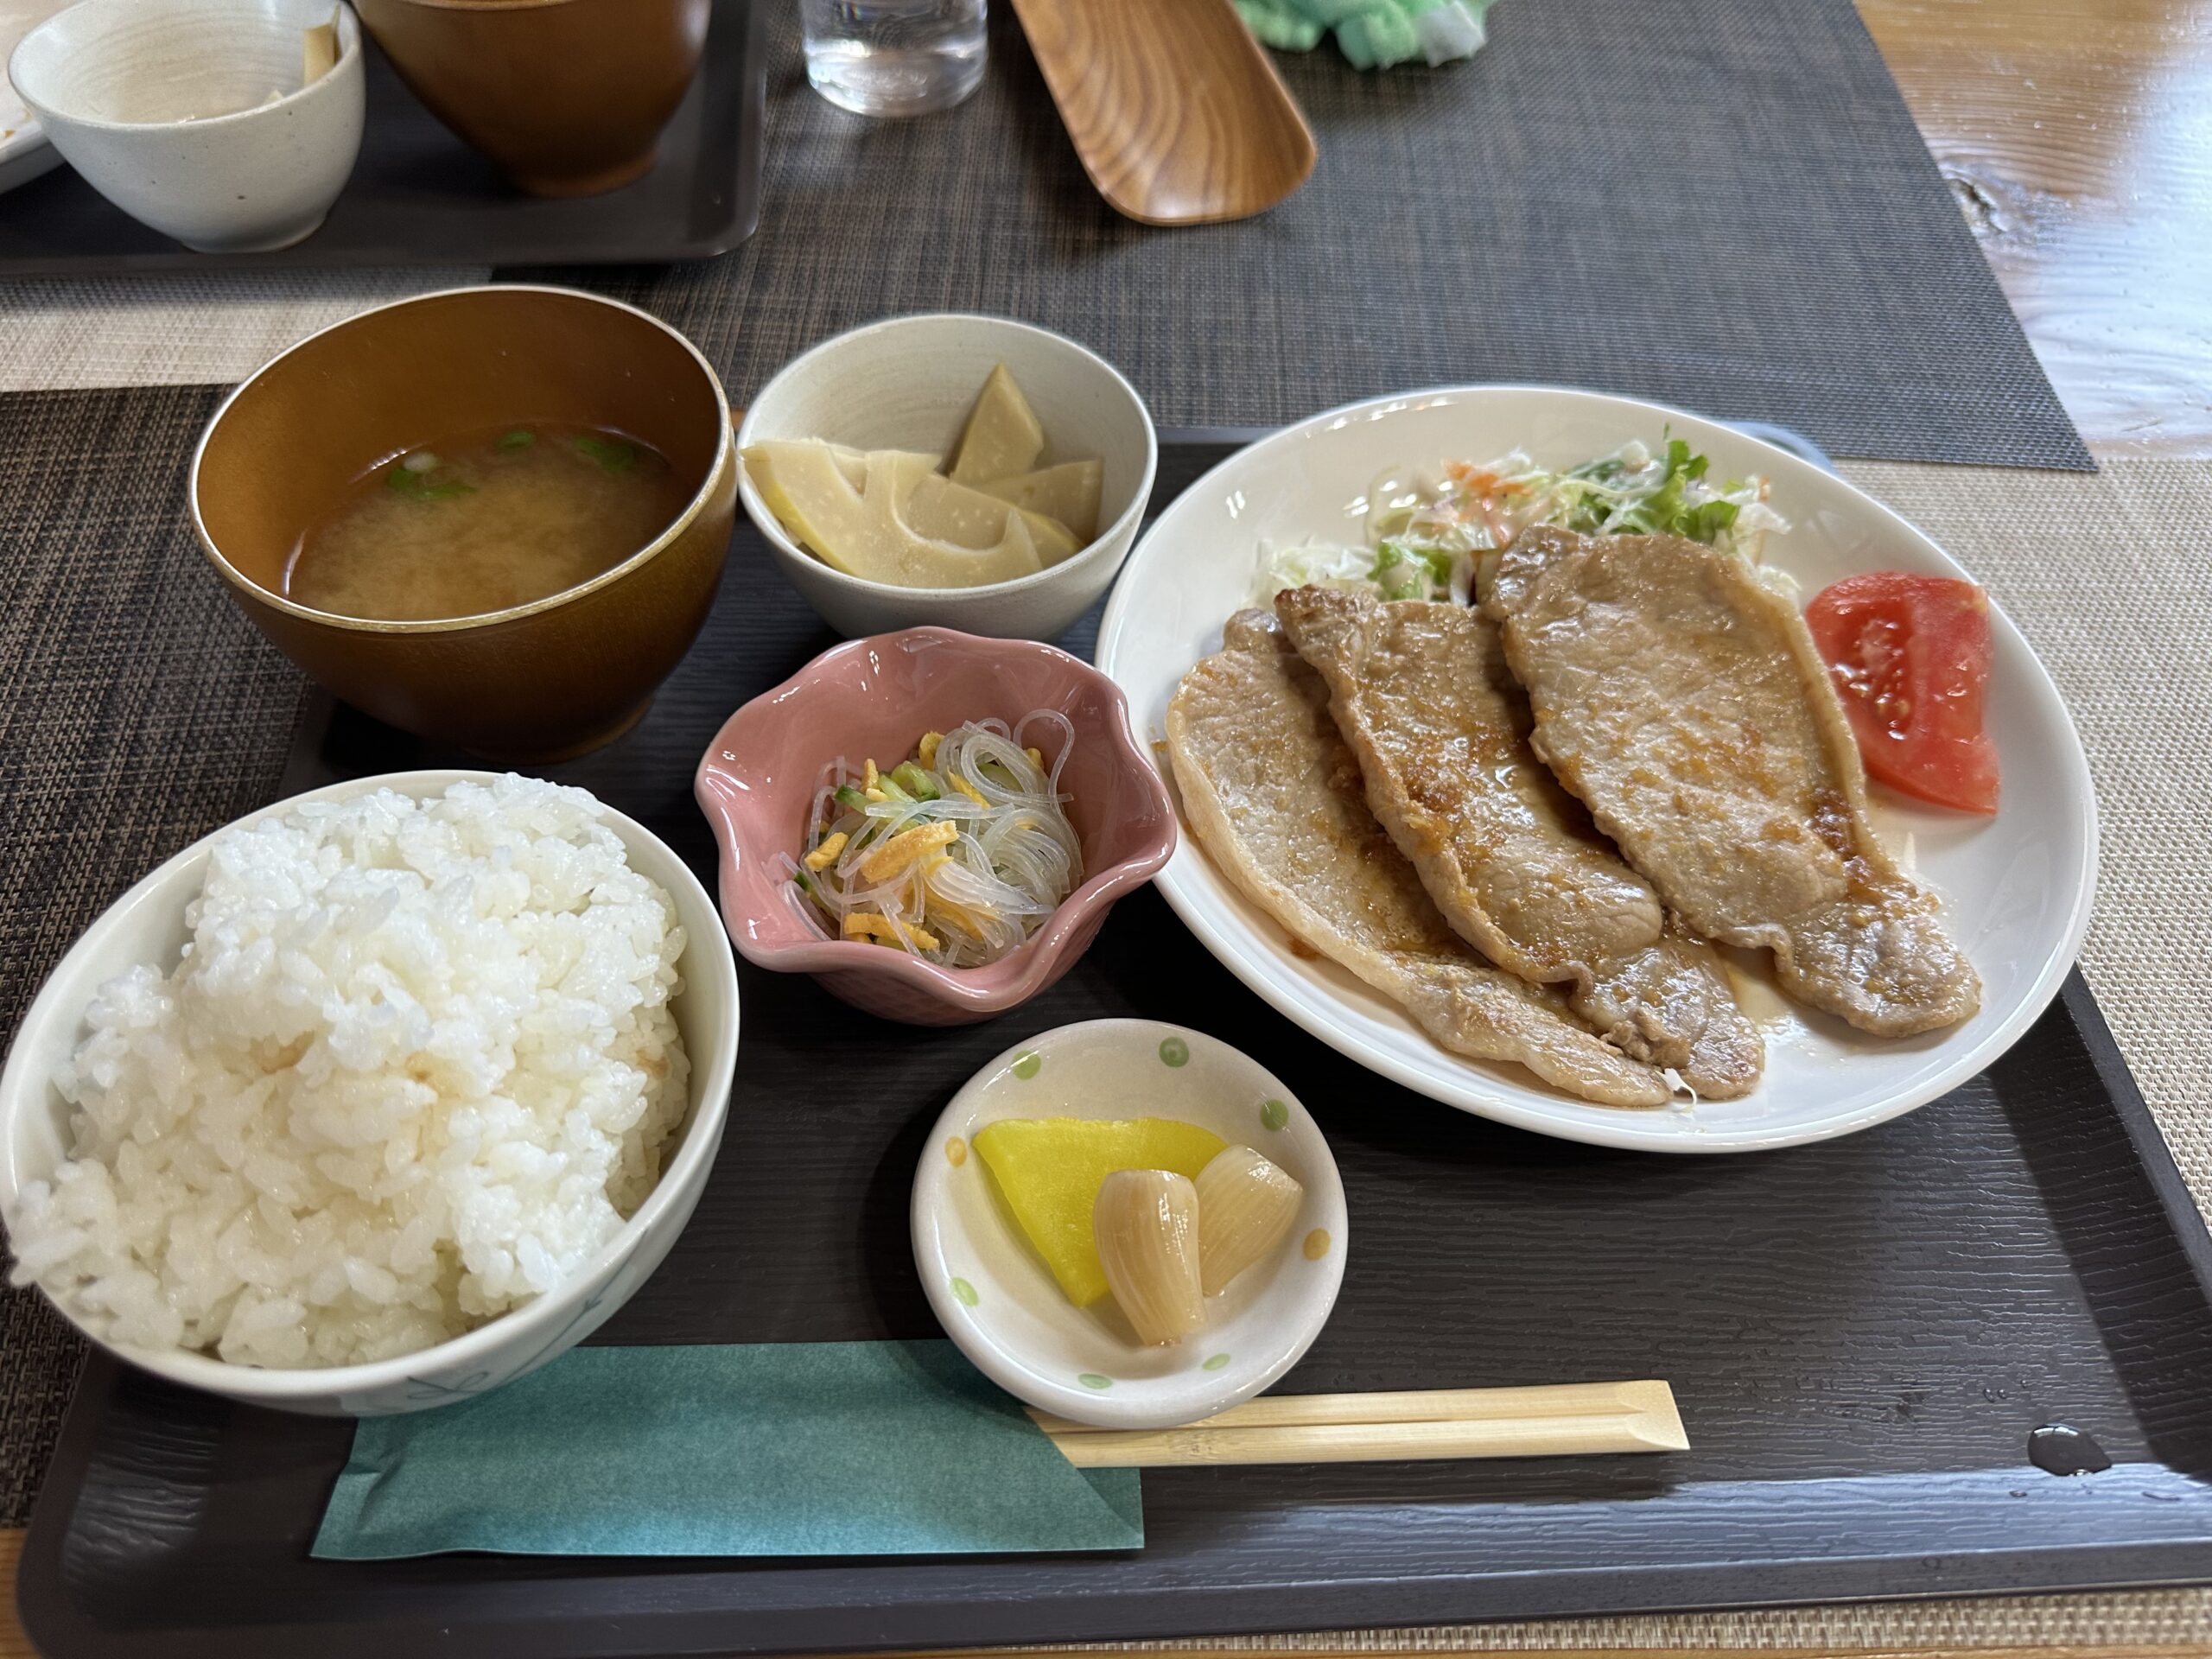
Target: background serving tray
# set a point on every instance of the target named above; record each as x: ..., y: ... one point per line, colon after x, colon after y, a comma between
x: 419, y: 196
x: 1861, y: 1335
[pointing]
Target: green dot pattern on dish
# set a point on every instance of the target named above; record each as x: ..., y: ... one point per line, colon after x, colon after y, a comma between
x: 1173, y: 1051
x: 1092, y: 1380
x: 1029, y: 1065
x: 1274, y: 1115
x: 1215, y: 1364
x: 963, y: 1293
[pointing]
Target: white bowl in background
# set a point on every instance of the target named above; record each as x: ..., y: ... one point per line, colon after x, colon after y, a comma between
x: 190, y: 116
x: 24, y: 152
x: 147, y: 925
x: 907, y: 383
x: 1002, y: 1307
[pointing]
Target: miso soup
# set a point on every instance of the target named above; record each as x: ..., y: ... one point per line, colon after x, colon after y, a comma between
x: 483, y: 520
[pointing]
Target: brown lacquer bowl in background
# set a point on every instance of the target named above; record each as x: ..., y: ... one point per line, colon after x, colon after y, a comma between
x: 569, y: 97
x: 534, y: 682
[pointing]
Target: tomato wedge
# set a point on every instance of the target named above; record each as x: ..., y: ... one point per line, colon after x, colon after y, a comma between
x: 1910, y: 656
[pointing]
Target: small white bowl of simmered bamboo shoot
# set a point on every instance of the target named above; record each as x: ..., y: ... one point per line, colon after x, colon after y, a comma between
x: 969, y: 471
x: 1129, y: 1224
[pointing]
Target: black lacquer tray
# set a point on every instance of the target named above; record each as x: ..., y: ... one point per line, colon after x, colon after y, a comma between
x: 1862, y: 1335
x: 419, y: 196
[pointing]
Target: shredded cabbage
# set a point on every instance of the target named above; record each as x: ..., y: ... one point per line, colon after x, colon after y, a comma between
x: 1423, y: 536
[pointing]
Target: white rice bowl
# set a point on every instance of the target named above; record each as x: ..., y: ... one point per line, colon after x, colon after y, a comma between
x: 416, y: 1066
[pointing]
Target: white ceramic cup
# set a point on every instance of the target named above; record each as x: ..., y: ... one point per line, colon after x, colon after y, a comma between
x: 907, y: 383
x: 190, y: 115
x: 147, y: 925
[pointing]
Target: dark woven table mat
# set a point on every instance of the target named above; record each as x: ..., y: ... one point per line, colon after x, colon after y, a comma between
x: 139, y: 713
x: 1719, y: 204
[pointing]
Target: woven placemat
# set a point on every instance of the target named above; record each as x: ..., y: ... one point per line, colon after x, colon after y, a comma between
x: 144, y: 712
x: 200, y: 329
x: 2180, y: 1619
x: 2104, y: 577
x: 1721, y: 204
x: 141, y: 713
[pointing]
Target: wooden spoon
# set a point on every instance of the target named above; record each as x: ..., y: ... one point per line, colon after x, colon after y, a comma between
x: 1175, y: 111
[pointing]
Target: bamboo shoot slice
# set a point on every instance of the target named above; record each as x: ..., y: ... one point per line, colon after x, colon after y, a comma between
x: 1003, y: 435
x: 862, y: 532
x: 1068, y: 492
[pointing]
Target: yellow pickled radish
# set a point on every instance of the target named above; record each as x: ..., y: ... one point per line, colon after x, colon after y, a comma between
x: 1049, y: 1170
x: 1246, y: 1205
x: 1146, y: 1225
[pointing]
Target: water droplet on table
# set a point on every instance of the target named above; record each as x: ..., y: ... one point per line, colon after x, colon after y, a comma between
x: 2062, y: 1449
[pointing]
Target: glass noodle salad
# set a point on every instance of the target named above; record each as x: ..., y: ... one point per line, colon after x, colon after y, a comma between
x: 1424, y: 536
x: 957, y: 855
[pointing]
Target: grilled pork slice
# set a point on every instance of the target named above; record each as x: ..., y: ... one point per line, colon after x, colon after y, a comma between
x: 1422, y: 693
x: 1682, y: 699
x: 1273, y: 794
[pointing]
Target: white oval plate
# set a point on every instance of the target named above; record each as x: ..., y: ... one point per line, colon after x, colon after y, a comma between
x: 2016, y: 890
x: 1001, y: 1304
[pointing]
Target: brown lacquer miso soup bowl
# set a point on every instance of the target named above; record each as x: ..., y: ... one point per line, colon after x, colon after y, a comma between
x: 542, y: 680
x: 568, y: 97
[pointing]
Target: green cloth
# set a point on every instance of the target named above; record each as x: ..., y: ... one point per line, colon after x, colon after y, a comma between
x: 861, y: 1449
x: 1372, y: 34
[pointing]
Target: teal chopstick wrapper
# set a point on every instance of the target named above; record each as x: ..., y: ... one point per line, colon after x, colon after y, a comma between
x: 861, y: 1449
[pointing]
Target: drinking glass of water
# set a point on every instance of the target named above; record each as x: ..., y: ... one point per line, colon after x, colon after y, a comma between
x: 893, y: 57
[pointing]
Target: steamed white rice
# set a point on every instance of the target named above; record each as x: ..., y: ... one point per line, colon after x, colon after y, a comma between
x: 417, y: 1064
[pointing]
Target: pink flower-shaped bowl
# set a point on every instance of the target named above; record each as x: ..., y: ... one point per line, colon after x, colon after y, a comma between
x: 874, y: 698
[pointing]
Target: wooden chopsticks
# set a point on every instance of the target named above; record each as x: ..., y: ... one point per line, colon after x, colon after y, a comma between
x: 1563, y: 1419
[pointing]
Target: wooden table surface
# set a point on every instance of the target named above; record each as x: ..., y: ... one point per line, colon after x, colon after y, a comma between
x: 2077, y: 135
